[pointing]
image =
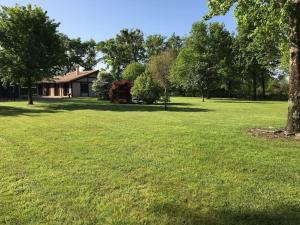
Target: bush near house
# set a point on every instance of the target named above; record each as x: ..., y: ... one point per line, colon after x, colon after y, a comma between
x: 120, y: 92
x: 145, y: 90
x: 102, y: 85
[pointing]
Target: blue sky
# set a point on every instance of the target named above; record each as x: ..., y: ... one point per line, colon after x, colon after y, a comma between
x: 102, y: 19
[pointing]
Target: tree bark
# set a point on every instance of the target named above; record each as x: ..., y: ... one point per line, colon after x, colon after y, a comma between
x: 14, y: 93
x: 263, y: 85
x: 254, y: 85
x: 293, y: 123
x: 29, y: 86
x: 229, y: 89
x: 166, y: 99
x: 203, y: 100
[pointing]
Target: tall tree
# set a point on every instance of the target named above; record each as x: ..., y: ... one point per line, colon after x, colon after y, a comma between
x: 126, y: 47
x: 274, y: 18
x: 30, y: 47
x: 83, y: 53
x: 154, y: 45
x: 175, y: 43
x: 159, y: 67
x: 204, y: 59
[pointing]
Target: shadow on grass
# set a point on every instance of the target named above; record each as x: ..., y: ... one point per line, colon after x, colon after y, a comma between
x: 54, y: 106
x: 178, y: 215
x: 16, y: 111
x: 217, y: 100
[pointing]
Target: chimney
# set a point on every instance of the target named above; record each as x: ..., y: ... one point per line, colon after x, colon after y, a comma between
x: 77, y: 69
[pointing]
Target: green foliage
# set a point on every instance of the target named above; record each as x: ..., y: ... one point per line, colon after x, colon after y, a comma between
x: 80, y: 53
x: 205, y: 59
x: 145, y: 89
x: 154, y: 45
x: 118, y: 52
x: 132, y: 71
x: 284, y: 58
x: 31, y: 48
x: 279, y: 87
x: 175, y: 43
x: 102, y: 85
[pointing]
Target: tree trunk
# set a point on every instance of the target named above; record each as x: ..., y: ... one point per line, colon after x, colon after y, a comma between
x: 166, y: 99
x: 29, y: 85
x: 229, y: 89
x: 202, y: 89
x: 14, y: 93
x: 293, y: 124
x: 254, y: 85
x: 263, y: 85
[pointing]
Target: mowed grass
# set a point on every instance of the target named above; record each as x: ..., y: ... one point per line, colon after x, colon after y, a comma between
x: 82, y: 161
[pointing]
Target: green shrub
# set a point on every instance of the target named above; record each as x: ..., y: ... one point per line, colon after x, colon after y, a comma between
x: 145, y: 90
x: 102, y: 85
x: 278, y: 87
x: 132, y: 71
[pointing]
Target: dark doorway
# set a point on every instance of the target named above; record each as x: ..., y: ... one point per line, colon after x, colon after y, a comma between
x: 46, y: 90
x: 84, y: 89
x: 66, y: 89
x: 56, y: 90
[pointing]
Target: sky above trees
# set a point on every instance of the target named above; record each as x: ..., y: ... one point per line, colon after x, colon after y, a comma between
x: 103, y: 19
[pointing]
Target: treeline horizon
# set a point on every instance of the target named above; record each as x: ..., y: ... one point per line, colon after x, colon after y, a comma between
x: 210, y: 61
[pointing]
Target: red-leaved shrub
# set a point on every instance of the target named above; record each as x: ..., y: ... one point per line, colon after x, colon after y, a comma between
x: 120, y: 92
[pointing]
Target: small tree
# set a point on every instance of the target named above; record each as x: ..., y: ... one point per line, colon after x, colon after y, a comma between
x: 145, y: 89
x: 31, y: 48
x: 102, y: 85
x: 132, y: 71
x: 159, y: 67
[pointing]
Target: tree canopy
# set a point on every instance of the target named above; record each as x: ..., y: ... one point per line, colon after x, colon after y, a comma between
x: 30, y: 46
x: 205, y: 56
x: 277, y: 21
x: 126, y: 47
x: 83, y: 53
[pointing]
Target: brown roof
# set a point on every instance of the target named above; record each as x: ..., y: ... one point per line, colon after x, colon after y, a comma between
x: 69, y: 77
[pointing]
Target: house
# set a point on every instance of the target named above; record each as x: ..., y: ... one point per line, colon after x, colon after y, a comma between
x: 73, y: 84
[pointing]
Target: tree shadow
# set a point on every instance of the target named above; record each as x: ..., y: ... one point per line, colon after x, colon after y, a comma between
x: 54, y: 106
x: 216, y: 100
x: 178, y: 215
x: 122, y: 108
x: 16, y: 111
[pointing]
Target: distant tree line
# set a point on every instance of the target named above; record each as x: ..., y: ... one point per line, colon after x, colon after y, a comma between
x: 209, y: 62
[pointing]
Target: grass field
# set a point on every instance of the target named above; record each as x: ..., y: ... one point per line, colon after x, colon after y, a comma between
x: 82, y: 161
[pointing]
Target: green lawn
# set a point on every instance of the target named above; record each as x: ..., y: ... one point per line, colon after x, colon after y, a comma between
x: 83, y: 161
